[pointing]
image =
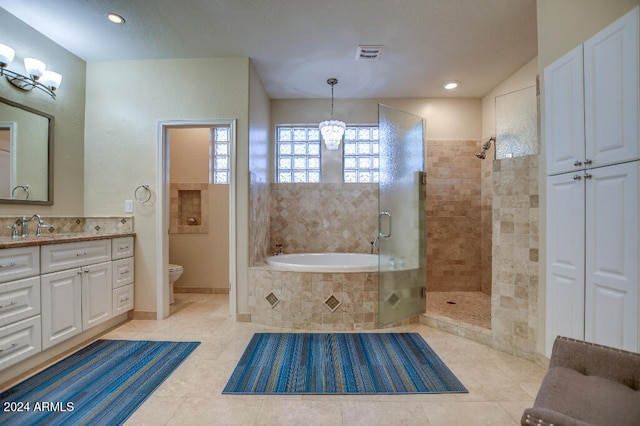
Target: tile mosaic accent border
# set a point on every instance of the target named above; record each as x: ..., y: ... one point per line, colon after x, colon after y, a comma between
x: 74, y: 225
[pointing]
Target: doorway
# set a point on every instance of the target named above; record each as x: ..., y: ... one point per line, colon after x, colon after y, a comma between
x: 197, y: 192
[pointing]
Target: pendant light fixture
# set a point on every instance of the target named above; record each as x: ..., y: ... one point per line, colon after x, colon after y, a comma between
x: 332, y: 130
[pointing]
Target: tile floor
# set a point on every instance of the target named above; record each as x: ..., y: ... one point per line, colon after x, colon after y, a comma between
x: 470, y: 307
x: 500, y: 386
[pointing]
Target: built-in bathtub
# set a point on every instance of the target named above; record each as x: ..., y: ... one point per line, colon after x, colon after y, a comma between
x: 316, y: 291
x: 325, y: 262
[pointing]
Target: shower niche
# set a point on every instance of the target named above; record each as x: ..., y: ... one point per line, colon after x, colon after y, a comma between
x: 189, y: 208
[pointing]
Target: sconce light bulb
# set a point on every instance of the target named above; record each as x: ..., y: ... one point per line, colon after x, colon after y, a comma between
x: 6, y: 55
x: 51, y: 80
x: 35, y: 68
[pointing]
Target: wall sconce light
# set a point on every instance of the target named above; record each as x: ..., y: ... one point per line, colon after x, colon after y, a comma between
x: 38, y: 77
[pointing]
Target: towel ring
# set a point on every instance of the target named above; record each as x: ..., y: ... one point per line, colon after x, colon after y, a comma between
x: 24, y: 187
x: 141, y: 198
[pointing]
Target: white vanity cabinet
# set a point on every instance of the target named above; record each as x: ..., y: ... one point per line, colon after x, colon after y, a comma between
x: 56, y: 290
x: 76, y: 294
x: 61, y: 306
x: 20, y: 323
x: 122, y: 284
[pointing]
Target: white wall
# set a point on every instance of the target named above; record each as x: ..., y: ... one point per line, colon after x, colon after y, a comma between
x: 523, y: 78
x: 125, y: 102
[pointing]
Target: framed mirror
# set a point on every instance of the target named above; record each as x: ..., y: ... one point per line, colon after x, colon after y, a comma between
x: 26, y: 155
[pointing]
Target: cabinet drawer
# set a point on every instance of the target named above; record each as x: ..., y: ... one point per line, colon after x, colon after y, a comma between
x: 122, y: 299
x: 19, y: 300
x: 17, y: 263
x: 122, y: 272
x: 122, y: 247
x: 19, y: 340
x: 58, y: 257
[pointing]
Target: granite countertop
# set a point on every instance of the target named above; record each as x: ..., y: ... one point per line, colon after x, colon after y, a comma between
x: 8, y: 242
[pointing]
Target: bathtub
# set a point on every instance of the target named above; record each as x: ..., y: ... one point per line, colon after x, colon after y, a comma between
x: 325, y: 262
x: 320, y: 291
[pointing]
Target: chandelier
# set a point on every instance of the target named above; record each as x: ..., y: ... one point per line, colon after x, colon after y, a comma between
x: 332, y: 130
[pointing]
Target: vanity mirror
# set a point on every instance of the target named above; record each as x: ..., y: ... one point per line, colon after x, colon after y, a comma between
x: 26, y: 155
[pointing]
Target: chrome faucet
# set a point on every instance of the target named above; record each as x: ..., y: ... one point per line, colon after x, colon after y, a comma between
x: 373, y: 244
x: 24, y: 222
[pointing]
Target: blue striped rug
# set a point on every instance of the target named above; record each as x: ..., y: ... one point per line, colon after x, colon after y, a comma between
x: 340, y: 363
x: 101, y: 384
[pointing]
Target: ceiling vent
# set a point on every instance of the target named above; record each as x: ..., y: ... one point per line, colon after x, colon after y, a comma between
x: 368, y: 52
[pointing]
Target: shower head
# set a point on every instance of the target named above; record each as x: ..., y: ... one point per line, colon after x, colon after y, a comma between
x: 485, y: 146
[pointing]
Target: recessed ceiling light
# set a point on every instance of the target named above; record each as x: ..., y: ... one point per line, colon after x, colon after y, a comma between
x: 115, y: 18
x: 449, y: 85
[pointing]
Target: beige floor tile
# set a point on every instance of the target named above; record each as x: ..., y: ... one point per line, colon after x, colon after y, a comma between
x: 383, y: 414
x: 296, y: 413
x: 467, y: 413
x: 500, y: 385
x: 515, y: 408
x: 155, y: 411
x: 214, y: 411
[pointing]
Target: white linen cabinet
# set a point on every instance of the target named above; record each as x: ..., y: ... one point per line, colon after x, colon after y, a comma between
x: 592, y: 152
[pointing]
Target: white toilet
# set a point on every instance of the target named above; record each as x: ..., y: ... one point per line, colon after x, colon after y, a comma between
x: 175, y: 271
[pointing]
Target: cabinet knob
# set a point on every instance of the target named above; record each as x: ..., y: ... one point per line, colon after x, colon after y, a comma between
x: 587, y: 162
x: 8, y: 265
x: 587, y: 176
x: 577, y: 163
x: 577, y: 177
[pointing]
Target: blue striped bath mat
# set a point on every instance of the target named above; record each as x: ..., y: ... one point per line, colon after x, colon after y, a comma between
x: 101, y: 384
x: 340, y: 363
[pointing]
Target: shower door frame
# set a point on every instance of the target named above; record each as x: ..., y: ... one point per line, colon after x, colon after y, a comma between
x: 402, y: 254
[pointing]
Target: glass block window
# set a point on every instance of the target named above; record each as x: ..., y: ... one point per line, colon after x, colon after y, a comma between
x: 220, y: 168
x: 361, y: 155
x: 298, y: 154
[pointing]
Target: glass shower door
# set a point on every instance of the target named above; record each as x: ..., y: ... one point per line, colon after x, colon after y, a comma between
x: 401, y: 216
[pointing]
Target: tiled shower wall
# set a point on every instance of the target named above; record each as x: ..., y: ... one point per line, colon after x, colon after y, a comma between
x: 454, y: 217
x: 486, y: 209
x: 322, y: 218
x: 259, y: 220
x: 514, y: 304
